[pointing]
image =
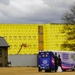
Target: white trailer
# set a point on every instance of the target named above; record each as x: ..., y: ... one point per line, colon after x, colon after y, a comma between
x: 67, y: 58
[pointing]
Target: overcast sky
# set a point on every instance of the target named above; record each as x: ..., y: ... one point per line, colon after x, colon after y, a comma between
x: 33, y: 11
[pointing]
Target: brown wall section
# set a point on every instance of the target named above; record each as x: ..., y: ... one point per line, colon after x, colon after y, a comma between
x: 40, y: 38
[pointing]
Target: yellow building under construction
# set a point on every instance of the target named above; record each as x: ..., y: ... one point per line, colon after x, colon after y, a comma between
x: 27, y: 34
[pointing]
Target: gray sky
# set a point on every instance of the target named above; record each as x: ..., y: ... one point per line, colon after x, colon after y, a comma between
x: 33, y: 11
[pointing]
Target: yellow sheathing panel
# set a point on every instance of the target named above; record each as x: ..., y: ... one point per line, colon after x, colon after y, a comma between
x: 53, y: 37
x: 18, y: 34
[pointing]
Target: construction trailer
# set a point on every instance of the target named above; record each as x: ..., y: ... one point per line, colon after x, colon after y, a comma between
x: 3, y: 52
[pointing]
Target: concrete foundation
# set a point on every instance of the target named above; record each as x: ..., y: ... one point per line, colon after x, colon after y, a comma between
x: 23, y: 60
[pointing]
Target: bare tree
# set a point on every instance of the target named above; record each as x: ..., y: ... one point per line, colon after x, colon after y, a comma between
x: 69, y: 16
x: 69, y: 29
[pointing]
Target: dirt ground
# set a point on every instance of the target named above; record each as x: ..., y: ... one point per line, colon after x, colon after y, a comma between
x: 29, y: 71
